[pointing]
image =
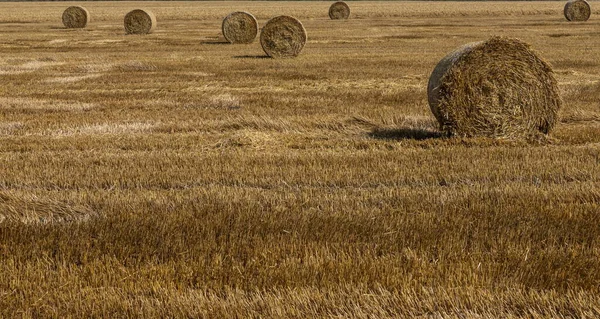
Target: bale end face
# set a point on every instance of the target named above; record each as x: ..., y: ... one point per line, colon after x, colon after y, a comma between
x: 283, y: 37
x: 577, y: 10
x: 240, y: 27
x: 495, y: 88
x: 139, y: 21
x: 75, y: 17
x: 339, y: 10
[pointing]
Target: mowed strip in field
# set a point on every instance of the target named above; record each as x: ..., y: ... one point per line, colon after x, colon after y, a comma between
x: 173, y: 174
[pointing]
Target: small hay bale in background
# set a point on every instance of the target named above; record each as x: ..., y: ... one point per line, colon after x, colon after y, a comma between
x: 283, y: 37
x: 240, y: 27
x: 494, y: 88
x: 75, y: 17
x: 339, y: 10
x: 140, y: 21
x: 577, y: 10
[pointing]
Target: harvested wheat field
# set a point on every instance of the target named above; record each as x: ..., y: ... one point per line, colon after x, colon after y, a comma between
x: 174, y: 174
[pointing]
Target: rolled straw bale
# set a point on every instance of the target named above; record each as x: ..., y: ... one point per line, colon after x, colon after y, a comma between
x: 339, y: 10
x: 240, y: 27
x: 495, y: 88
x: 283, y: 37
x: 140, y: 21
x: 75, y: 17
x: 577, y: 10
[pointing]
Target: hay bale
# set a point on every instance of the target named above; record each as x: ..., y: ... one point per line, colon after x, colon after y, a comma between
x: 240, y: 27
x: 140, y: 21
x: 283, y: 37
x: 339, y: 10
x: 75, y: 17
x: 495, y: 88
x: 577, y: 10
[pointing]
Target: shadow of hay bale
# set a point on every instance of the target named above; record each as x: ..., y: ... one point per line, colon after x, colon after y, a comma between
x: 405, y: 134
x: 251, y: 57
x: 215, y: 42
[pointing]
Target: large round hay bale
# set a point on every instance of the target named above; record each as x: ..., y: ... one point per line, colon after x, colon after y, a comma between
x: 140, y: 21
x: 495, y: 88
x: 75, y: 17
x: 283, y: 37
x: 339, y: 10
x: 240, y: 27
x: 577, y: 10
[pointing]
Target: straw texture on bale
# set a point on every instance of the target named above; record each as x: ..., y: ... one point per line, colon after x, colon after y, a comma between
x: 283, y: 37
x: 339, y: 10
x: 240, y: 27
x: 140, y: 21
x: 495, y: 88
x: 32, y: 210
x: 577, y: 10
x: 75, y: 17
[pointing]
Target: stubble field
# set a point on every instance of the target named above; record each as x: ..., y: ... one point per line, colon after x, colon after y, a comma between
x: 175, y: 175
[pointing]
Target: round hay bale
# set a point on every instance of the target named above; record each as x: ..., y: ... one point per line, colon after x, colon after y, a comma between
x: 240, y: 27
x: 339, y: 10
x: 494, y: 88
x: 140, y: 21
x: 75, y: 17
x: 577, y: 10
x: 283, y: 37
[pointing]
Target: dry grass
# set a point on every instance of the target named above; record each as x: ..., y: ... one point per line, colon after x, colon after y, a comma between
x: 225, y: 185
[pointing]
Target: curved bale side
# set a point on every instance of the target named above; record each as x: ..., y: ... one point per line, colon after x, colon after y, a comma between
x: 139, y: 21
x: 75, y: 17
x: 339, y: 10
x: 283, y: 37
x: 577, y: 10
x: 496, y: 88
x: 240, y: 27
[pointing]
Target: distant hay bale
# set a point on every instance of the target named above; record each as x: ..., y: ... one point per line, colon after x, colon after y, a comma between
x: 495, y: 88
x: 240, y: 27
x: 577, y: 10
x: 32, y: 210
x: 283, y: 37
x: 140, y: 21
x: 339, y: 10
x: 75, y: 17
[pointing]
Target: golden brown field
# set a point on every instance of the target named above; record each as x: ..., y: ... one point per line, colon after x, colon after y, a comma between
x: 174, y: 175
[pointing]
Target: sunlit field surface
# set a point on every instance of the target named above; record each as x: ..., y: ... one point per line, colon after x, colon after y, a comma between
x: 176, y: 175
